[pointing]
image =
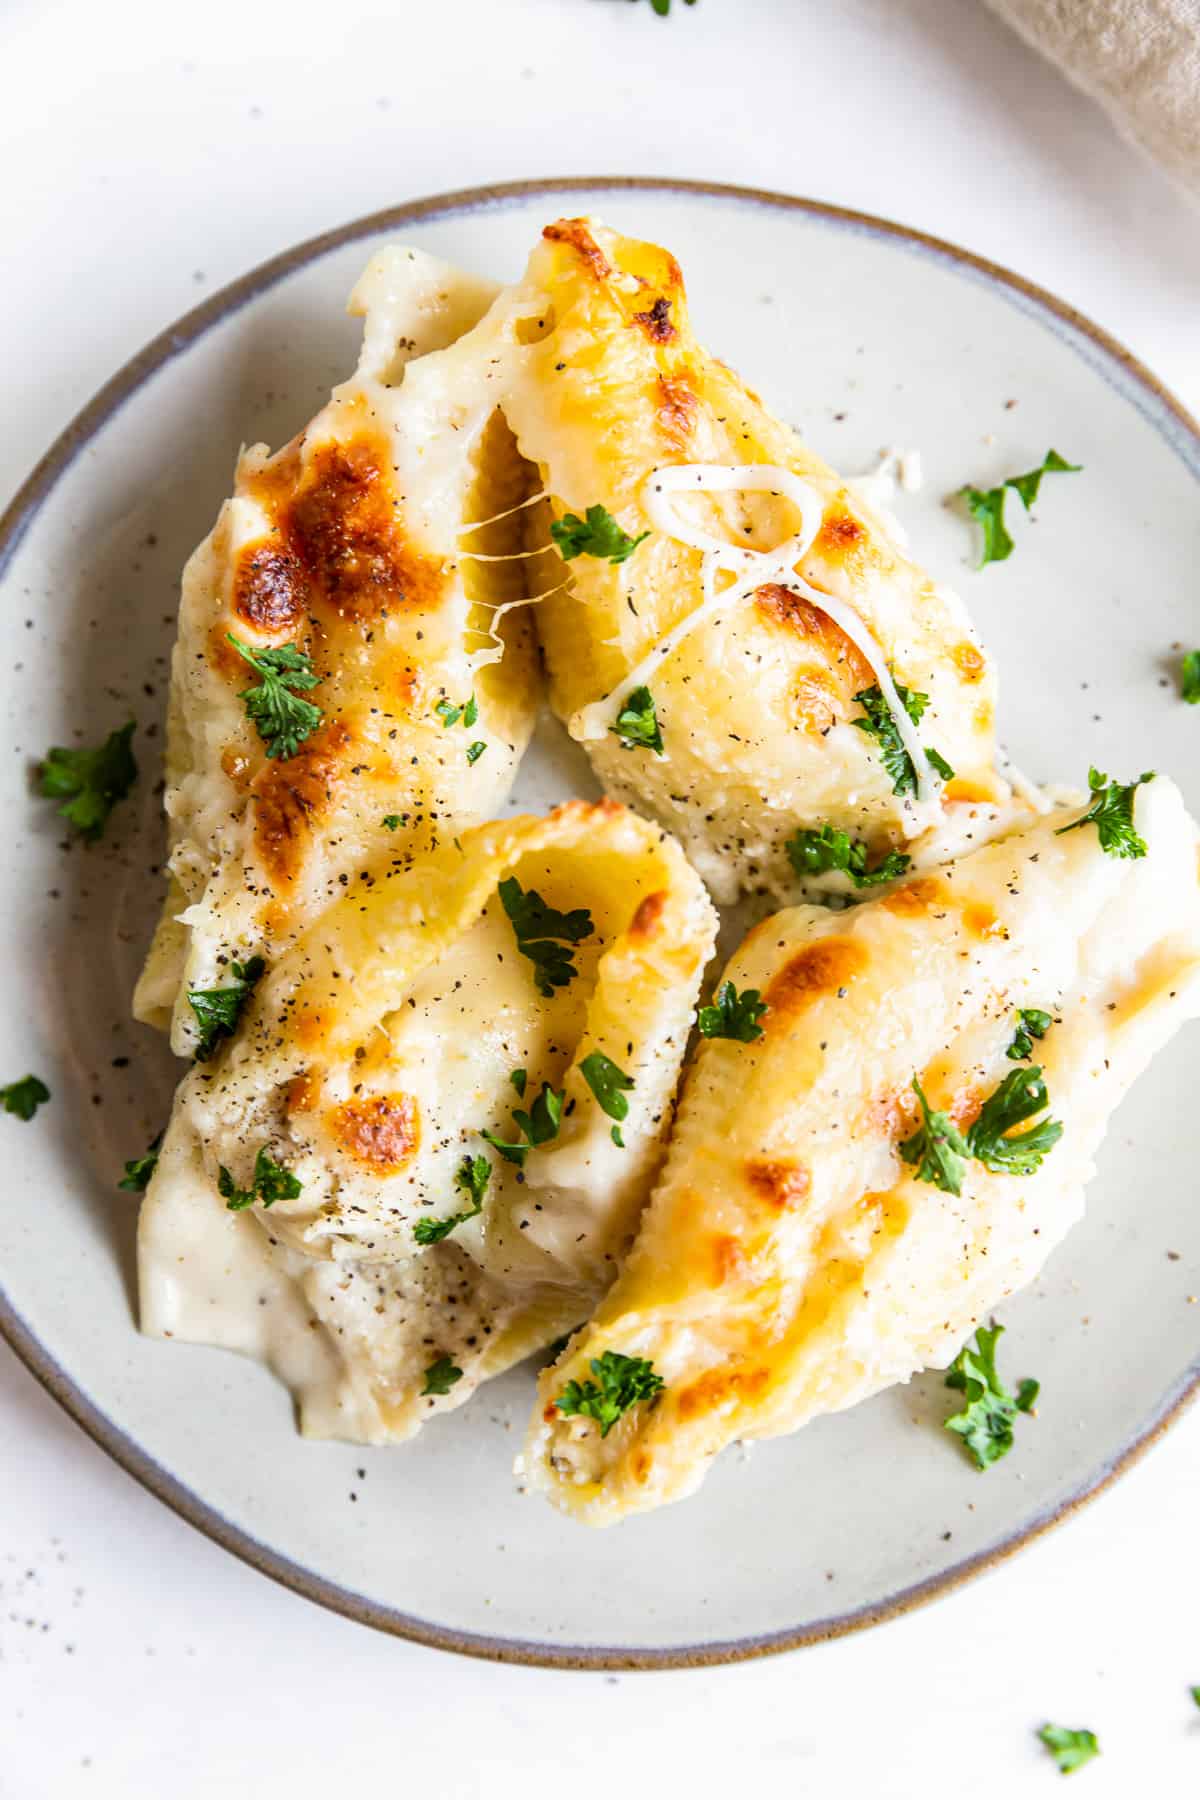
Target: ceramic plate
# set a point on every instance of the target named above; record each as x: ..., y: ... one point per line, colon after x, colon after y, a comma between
x: 863, y: 335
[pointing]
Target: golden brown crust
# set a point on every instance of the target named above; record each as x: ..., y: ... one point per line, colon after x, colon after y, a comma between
x: 647, y: 920
x: 814, y: 973
x: 677, y: 407
x: 269, y: 588
x: 656, y: 322
x: 717, y: 1387
x: 575, y: 233
x: 970, y: 660
x: 292, y: 795
x: 382, y: 1131
x: 781, y: 1184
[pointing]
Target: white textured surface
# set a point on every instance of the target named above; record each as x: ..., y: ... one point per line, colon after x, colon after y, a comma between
x: 150, y: 161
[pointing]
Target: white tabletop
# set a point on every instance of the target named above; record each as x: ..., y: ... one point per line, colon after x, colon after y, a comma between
x: 152, y: 153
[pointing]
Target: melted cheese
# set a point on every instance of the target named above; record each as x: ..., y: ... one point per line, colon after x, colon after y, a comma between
x: 374, y: 1056
x: 753, y: 679
x: 347, y: 543
x: 790, y: 1263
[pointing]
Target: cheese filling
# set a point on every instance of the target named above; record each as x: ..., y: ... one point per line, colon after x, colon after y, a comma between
x: 749, y: 570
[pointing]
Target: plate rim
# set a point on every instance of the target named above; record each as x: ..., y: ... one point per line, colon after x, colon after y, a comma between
x: 131, y: 1456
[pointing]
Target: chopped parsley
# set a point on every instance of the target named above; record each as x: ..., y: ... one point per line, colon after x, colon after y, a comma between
x: 596, y: 535
x: 274, y: 705
x: 1195, y: 1693
x: 391, y: 821
x: 519, y: 1078
x: 269, y: 1183
x: 1020, y: 1095
x: 472, y: 1177
x: 621, y: 1382
x: 733, y: 1015
x: 938, y: 1151
x: 441, y: 1376
x: 1031, y: 1023
x: 985, y: 1423
x: 986, y: 505
x: 476, y: 750
x: 610, y: 1086
x: 140, y: 1170
x: 22, y: 1098
x: 1189, y: 677
x: 537, y: 1126
x: 218, y: 1010
x: 450, y: 714
x: 90, y: 782
x: 1111, y: 812
x: 637, y: 723
x: 1070, y: 1749
x: 880, y: 725
x: 813, y: 852
x: 536, y: 926
x: 663, y: 7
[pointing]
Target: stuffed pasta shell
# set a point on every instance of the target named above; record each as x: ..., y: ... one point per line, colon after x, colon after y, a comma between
x: 737, y: 636
x: 345, y: 681
x: 430, y: 1138
x: 901, y: 1145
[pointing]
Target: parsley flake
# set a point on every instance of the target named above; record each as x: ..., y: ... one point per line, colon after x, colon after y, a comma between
x: 1031, y: 1023
x: 621, y: 1383
x: 1111, y: 812
x: 140, y: 1169
x: 536, y: 925
x: 608, y: 1083
x: 1189, y: 677
x: 1020, y: 1095
x: 218, y: 1010
x: 537, y: 1126
x: 597, y: 535
x: 90, y: 782
x: 937, y: 1150
x: 450, y: 714
x: 986, y: 505
x: 733, y: 1015
x: 269, y: 1183
x: 391, y: 821
x: 663, y: 7
x: 282, y: 719
x: 1070, y: 1749
x: 22, y: 1098
x: 475, y: 750
x: 985, y: 1423
x: 880, y: 725
x: 441, y: 1376
x: 813, y: 852
x: 472, y: 1177
x: 519, y: 1078
x: 637, y: 723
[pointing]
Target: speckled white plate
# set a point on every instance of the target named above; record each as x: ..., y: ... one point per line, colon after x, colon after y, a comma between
x: 863, y: 335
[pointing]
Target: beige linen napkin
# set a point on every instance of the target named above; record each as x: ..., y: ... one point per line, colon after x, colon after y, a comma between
x: 1139, y: 58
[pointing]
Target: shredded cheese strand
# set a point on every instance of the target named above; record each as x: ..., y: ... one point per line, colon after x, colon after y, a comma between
x: 751, y: 569
x: 482, y: 659
x: 478, y: 524
x: 1022, y: 786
